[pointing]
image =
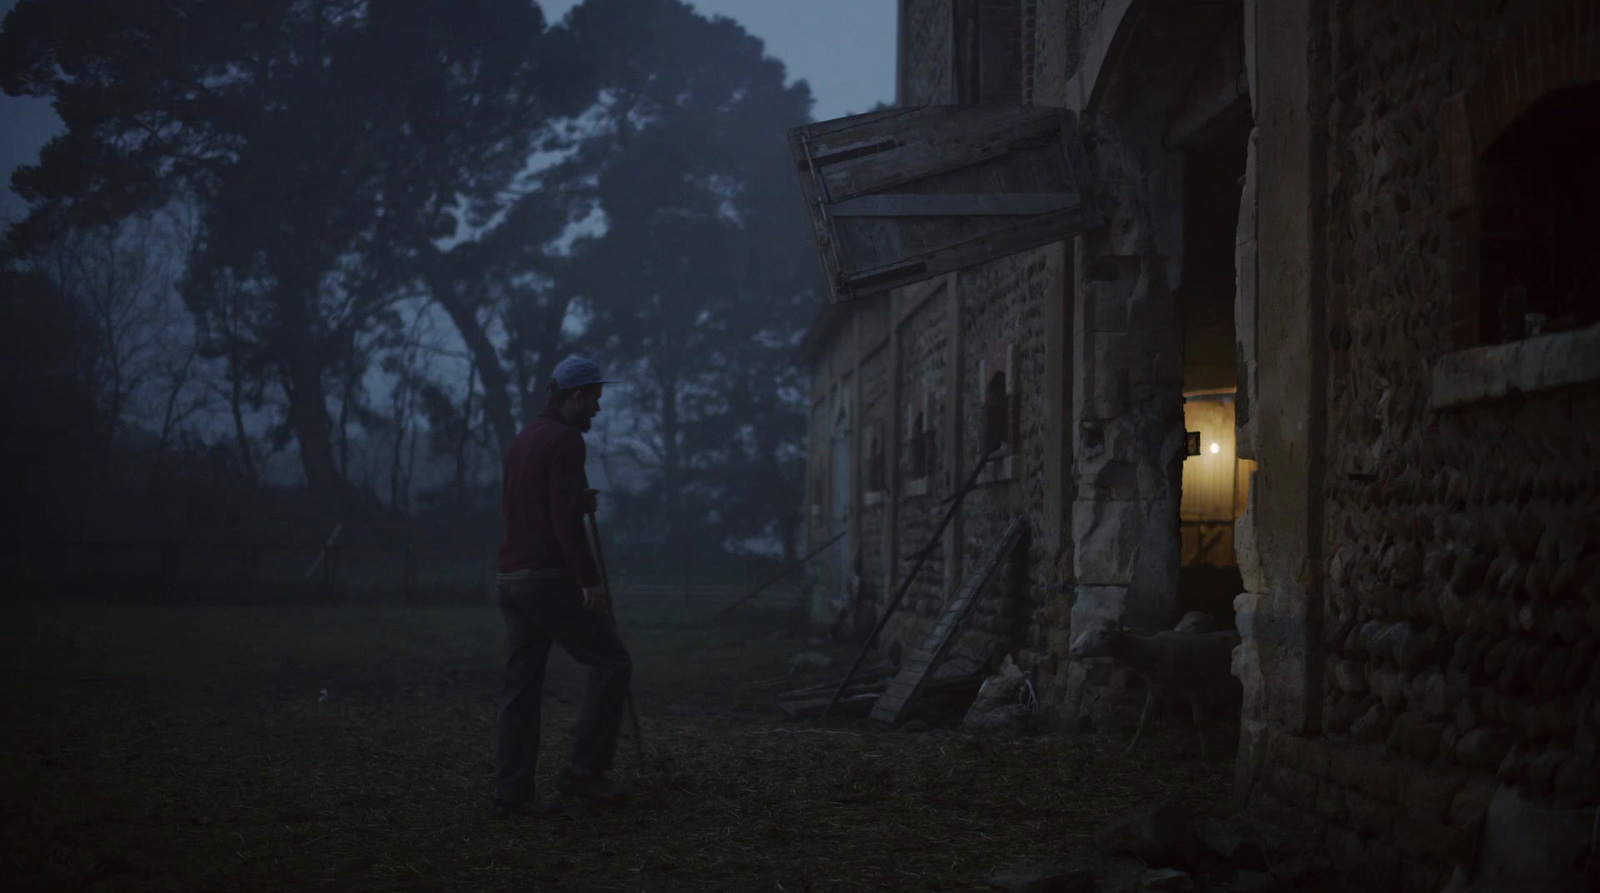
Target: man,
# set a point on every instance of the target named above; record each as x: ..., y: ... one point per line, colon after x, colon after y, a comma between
x: 550, y: 591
